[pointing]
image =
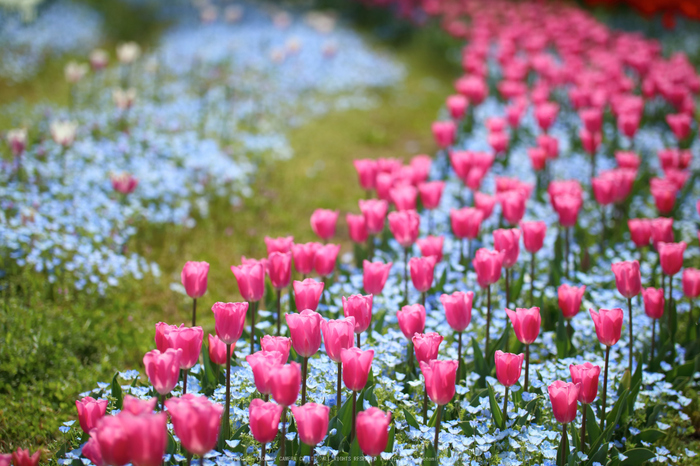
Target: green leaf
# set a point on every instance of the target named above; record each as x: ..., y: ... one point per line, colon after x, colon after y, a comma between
x: 433, y: 419
x: 600, y: 454
x: 649, y: 436
x: 430, y: 458
x: 334, y: 440
x: 378, y: 319
x: 117, y: 392
x: 562, y: 338
x: 345, y: 416
x: 390, y: 442
x: 467, y: 429
x: 637, y: 456
x: 410, y: 419
x: 356, y: 456
x: 592, y: 428
x: 479, y: 363
x: 517, y: 287
x: 496, y: 412
x: 564, y: 450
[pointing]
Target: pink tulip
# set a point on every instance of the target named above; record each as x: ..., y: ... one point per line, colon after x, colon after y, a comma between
x: 374, y: 276
x: 498, y: 142
x: 404, y: 197
x: 305, y: 330
x: 457, y: 106
x: 430, y: 194
x: 162, y: 330
x: 307, y: 293
x: 608, y: 325
x: 264, y: 364
x: 421, y: 165
x: 512, y: 206
x: 592, y: 119
x: 356, y: 367
x: 627, y: 278
x: 487, y: 265
x: 189, y: 340
x: 304, y: 256
x: 440, y: 377
x: 279, y: 344
x: 550, y: 144
x: 264, y: 420
x: 458, y: 309
x: 217, y: 350
x: 526, y: 324
x: 627, y: 159
x: 603, y: 190
x: 545, y: 114
x: 229, y: 319
x: 136, y: 406
x: 404, y: 226
x: 124, y: 183
x: 570, y: 299
x: 444, y: 133
x: 113, y: 441
x: 279, y: 268
x: 366, y: 172
x: 91, y: 451
x: 691, y: 283
x: 664, y: 193
x: 338, y: 335
x: 671, y: 257
x: 251, y: 281
x: 357, y: 228
x: 640, y: 231
x: 282, y: 244
x: 533, y: 235
x: 196, y: 422
x: 422, y: 272
x: 661, y: 230
x: 22, y: 457
x: 680, y: 125
x: 374, y: 212
x: 325, y: 259
x: 194, y: 278
x: 538, y: 158
x: 411, y: 320
x: 312, y: 422
x: 372, y: 431
x: 586, y: 375
x: 90, y: 411
x: 359, y: 308
x: 567, y: 207
x: 628, y: 123
x: 654, y: 302
x: 431, y: 246
x: 426, y: 346
x: 163, y: 369
x: 474, y: 88
x: 508, y: 242
x: 323, y: 223
x: 148, y: 437
x: 285, y: 383
x: 485, y: 203
x: 466, y: 222
x: 508, y: 367
x: 564, y: 398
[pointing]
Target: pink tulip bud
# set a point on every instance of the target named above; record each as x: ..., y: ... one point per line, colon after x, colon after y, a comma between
x: 628, y: 123
x: 162, y: 330
x: 533, y: 235
x: 304, y: 257
x: 338, y: 335
x: 508, y: 367
x: 526, y: 324
x: 91, y: 451
x: 498, y: 142
x: 305, y: 330
x: 421, y: 164
x: 444, y: 133
x: 358, y: 307
x: 440, y: 377
x: 626, y: 159
x: 163, y: 369
x: 538, y: 158
x: 137, y: 407
x: 691, y: 283
x: 550, y: 144
x: 312, y: 422
x: 474, y: 88
x: 374, y: 212
x: 567, y: 207
x: 148, y: 437
x: 485, y: 203
x: 357, y: 228
x: 430, y: 194
x: 431, y: 246
x: 586, y: 375
x: 487, y: 265
x: 680, y: 125
x: 404, y: 197
x: 21, y: 457
x: 372, y: 431
x: 608, y: 325
x: 374, y: 276
x: 229, y: 321
x: 189, y: 340
x: 264, y: 420
x: 251, y: 281
x: 661, y: 230
x: 508, y: 242
x: 325, y: 259
x: 592, y: 119
x: 404, y: 226
x: 570, y: 299
x: 196, y: 422
x: 564, y: 398
x: 279, y: 268
x: 466, y: 222
x: 366, y: 172
x: 458, y: 309
x: 279, y: 344
x: 411, y: 320
x: 426, y: 346
x: 457, y: 106
x: 194, y: 278
x: 17, y: 140
x: 545, y: 114
x: 514, y: 114
x: 664, y: 193
x: 90, y: 411
x: 124, y: 183
x: 422, y: 272
x: 627, y: 278
x: 603, y: 190
x: 285, y: 384
x: 282, y: 244
x: 217, y: 350
x: 307, y: 293
x: 356, y: 367
x: 323, y: 223
x: 654, y: 302
x: 640, y: 231
x: 264, y: 364
x: 671, y: 257
x: 513, y: 205
x: 113, y: 440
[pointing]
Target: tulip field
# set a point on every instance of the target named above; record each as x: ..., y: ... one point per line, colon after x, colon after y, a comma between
x: 357, y: 232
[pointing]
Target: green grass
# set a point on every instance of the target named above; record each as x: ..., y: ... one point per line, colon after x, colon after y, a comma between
x: 53, y: 347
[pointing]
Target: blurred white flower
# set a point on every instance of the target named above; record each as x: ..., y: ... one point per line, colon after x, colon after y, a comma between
x: 233, y: 13
x: 99, y: 59
x: 124, y: 99
x: 321, y: 22
x: 74, y: 71
x: 128, y: 52
x: 209, y: 14
x: 63, y: 132
x: 17, y: 140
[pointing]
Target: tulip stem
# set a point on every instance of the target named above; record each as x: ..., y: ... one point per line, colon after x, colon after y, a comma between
x: 437, y: 429
x: 262, y: 455
x: 283, y: 435
x: 532, y: 280
x: 410, y: 356
x: 605, y: 388
x: 201, y: 460
x: 340, y: 386
x: 189, y: 459
x: 405, y: 275
x: 425, y: 402
x: 653, y: 338
x: 279, y: 311
x: 507, y: 292
x: 354, y: 414
x: 527, y: 367
x: 304, y: 368
x: 358, y: 340
x: 227, y: 411
x: 194, y: 312
x: 565, y: 454
x: 423, y: 298
x: 583, y: 429
x: 488, y: 318
x: 370, y: 248
x: 505, y: 409
x: 566, y: 242
x: 459, y: 355
x: 184, y: 381
x: 311, y: 456
x: 603, y: 230
x: 629, y: 311
x: 253, y: 306
x: 324, y: 280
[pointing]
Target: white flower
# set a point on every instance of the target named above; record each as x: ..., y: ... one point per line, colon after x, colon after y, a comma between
x: 124, y: 99
x: 99, y: 59
x: 63, y: 132
x: 128, y: 52
x: 74, y: 71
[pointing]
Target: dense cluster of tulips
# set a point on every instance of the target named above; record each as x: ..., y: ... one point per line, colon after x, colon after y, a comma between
x: 466, y: 238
